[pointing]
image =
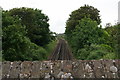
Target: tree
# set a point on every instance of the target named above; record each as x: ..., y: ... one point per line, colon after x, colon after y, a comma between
x: 16, y: 46
x: 0, y: 34
x: 94, y: 51
x: 86, y: 33
x: 84, y: 11
x: 112, y: 31
x: 16, y: 43
x: 88, y: 39
x: 118, y: 41
x: 114, y: 40
x: 36, y: 24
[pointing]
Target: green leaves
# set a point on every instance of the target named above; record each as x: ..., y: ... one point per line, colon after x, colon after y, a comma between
x: 94, y: 51
x: 86, y: 32
x: 114, y: 40
x: 25, y: 32
x: 85, y: 11
x: 35, y: 21
x: 82, y: 29
x: 89, y: 41
x: 16, y: 46
x: 14, y: 42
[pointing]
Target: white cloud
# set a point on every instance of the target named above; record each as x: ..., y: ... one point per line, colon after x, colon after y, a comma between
x: 58, y: 10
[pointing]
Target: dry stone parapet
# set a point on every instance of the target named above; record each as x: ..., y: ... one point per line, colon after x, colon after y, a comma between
x: 61, y: 69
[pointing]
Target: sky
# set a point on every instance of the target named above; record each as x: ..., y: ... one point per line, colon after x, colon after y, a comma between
x: 58, y: 11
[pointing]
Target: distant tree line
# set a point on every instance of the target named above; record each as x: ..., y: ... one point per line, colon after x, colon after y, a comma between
x: 25, y: 34
x: 88, y: 39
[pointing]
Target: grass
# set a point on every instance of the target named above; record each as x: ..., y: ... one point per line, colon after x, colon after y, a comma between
x: 50, y: 47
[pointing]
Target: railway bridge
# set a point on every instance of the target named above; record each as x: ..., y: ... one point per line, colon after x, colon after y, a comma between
x: 61, y: 65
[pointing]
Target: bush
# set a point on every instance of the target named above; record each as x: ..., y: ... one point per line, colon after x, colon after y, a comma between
x: 16, y: 46
x: 94, y: 51
x: 37, y: 52
x: 110, y: 56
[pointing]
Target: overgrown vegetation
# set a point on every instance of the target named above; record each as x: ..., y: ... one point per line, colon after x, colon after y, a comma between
x: 0, y: 34
x: 25, y: 35
x: 50, y: 47
x: 88, y: 39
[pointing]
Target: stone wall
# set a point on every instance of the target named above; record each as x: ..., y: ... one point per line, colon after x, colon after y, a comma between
x: 61, y: 69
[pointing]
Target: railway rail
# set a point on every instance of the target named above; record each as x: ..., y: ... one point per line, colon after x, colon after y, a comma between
x: 61, y: 52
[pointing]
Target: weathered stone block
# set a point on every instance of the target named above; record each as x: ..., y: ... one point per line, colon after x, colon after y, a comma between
x: 107, y: 65
x: 78, y: 69
x: 45, y: 68
x: 5, y: 69
x: 88, y: 69
x: 67, y: 66
x: 26, y: 69
x: 35, y: 69
x: 15, y: 69
x: 57, y: 68
x: 98, y: 69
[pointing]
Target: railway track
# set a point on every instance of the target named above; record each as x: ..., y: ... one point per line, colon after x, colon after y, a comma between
x: 61, y: 52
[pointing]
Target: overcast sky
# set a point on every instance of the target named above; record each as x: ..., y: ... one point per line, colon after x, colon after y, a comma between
x: 58, y: 10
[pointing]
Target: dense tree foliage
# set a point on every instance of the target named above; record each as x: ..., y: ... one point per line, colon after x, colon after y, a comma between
x: 88, y: 39
x: 114, y: 40
x: 95, y: 51
x: 86, y: 34
x: 118, y: 41
x: 84, y: 11
x: 36, y: 24
x: 22, y: 39
x: 0, y: 34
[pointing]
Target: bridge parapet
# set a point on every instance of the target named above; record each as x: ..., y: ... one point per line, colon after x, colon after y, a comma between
x: 61, y: 69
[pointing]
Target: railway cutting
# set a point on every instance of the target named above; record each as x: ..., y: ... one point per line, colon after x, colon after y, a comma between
x: 61, y: 51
